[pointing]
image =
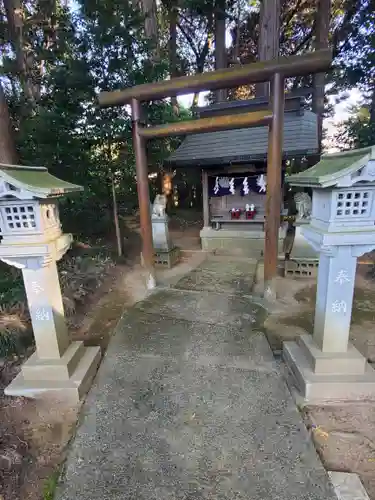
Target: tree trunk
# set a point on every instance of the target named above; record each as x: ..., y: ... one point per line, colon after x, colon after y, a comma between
x: 372, y: 108
x: 149, y: 10
x: 268, y: 42
x: 13, y: 11
x: 220, y: 49
x: 50, y: 33
x: 237, y: 41
x: 8, y: 153
x: 173, y: 14
x: 323, y: 15
x: 115, y: 218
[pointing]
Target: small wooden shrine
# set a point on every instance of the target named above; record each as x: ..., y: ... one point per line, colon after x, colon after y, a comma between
x: 234, y: 172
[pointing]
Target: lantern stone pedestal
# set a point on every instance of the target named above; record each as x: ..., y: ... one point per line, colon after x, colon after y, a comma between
x: 32, y: 241
x: 326, y: 366
x: 58, y: 367
x: 160, y: 233
x: 166, y: 254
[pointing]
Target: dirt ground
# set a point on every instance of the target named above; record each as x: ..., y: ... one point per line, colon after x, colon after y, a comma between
x: 344, y: 435
x: 34, y: 433
x: 294, y: 312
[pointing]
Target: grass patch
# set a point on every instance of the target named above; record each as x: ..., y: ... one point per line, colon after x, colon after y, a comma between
x: 15, y: 329
x: 304, y: 320
x: 81, y: 273
x: 363, y: 307
x: 50, y: 485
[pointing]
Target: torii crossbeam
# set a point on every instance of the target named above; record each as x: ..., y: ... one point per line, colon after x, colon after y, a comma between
x: 275, y: 72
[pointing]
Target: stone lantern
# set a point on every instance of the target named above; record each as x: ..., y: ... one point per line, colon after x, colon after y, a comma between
x: 32, y: 241
x: 326, y: 366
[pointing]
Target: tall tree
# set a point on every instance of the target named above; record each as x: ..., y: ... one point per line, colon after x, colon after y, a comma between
x: 269, y: 41
x: 15, y: 14
x: 220, y: 48
x: 172, y: 7
x: 149, y: 10
x: 355, y: 67
x: 195, y: 35
x: 8, y: 152
x: 323, y: 15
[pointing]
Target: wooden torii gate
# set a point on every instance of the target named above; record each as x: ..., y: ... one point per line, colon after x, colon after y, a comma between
x: 275, y: 72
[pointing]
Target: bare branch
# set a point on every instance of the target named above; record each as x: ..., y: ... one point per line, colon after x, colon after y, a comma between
x: 189, y: 39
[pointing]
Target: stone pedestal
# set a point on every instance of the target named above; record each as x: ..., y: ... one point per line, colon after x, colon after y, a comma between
x: 166, y: 254
x: 325, y: 366
x: 59, y: 367
x: 241, y: 241
x: 160, y: 233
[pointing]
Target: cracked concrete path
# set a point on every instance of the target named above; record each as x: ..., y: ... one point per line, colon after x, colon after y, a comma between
x: 189, y: 404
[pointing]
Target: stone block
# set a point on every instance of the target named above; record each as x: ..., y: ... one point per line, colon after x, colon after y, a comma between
x: 301, y: 248
x: 167, y: 258
x: 351, y: 362
x: 348, y: 486
x: 301, y: 268
x: 249, y: 243
x: 160, y: 233
x: 71, y: 390
x: 36, y: 368
x: 318, y: 388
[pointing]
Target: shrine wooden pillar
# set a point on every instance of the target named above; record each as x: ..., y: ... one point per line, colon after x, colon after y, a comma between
x: 143, y: 195
x: 273, y: 200
x: 206, y: 205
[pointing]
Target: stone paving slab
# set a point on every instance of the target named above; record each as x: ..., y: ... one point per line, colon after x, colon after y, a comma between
x: 228, y: 277
x: 203, y: 343
x: 205, y: 307
x: 188, y: 404
x: 225, y: 265
x: 160, y: 429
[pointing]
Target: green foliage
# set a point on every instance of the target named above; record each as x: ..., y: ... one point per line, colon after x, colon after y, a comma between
x: 14, y: 329
x: 50, y: 485
x: 358, y: 131
x: 355, y: 67
x: 12, y: 289
x: 9, y: 343
x: 100, y: 46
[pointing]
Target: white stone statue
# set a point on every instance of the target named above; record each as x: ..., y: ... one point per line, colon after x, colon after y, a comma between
x: 159, y: 206
x: 303, y: 205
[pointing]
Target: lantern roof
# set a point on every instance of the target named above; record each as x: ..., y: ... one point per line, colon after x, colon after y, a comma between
x: 25, y: 181
x: 338, y: 169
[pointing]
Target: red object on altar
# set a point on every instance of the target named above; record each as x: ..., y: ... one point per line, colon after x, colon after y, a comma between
x: 235, y: 213
x: 250, y: 214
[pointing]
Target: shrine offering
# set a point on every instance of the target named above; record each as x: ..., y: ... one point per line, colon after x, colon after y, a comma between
x: 235, y: 213
x: 250, y: 211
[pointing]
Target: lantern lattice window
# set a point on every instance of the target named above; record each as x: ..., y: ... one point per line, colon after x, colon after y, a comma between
x: 353, y: 204
x: 19, y: 217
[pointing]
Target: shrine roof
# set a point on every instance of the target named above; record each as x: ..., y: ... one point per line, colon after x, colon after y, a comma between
x: 37, y: 180
x: 248, y: 144
x: 332, y: 167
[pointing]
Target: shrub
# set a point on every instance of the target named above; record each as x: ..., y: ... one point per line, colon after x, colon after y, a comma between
x: 15, y: 332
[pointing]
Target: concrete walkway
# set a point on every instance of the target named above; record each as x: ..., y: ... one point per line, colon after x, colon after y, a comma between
x: 188, y: 404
